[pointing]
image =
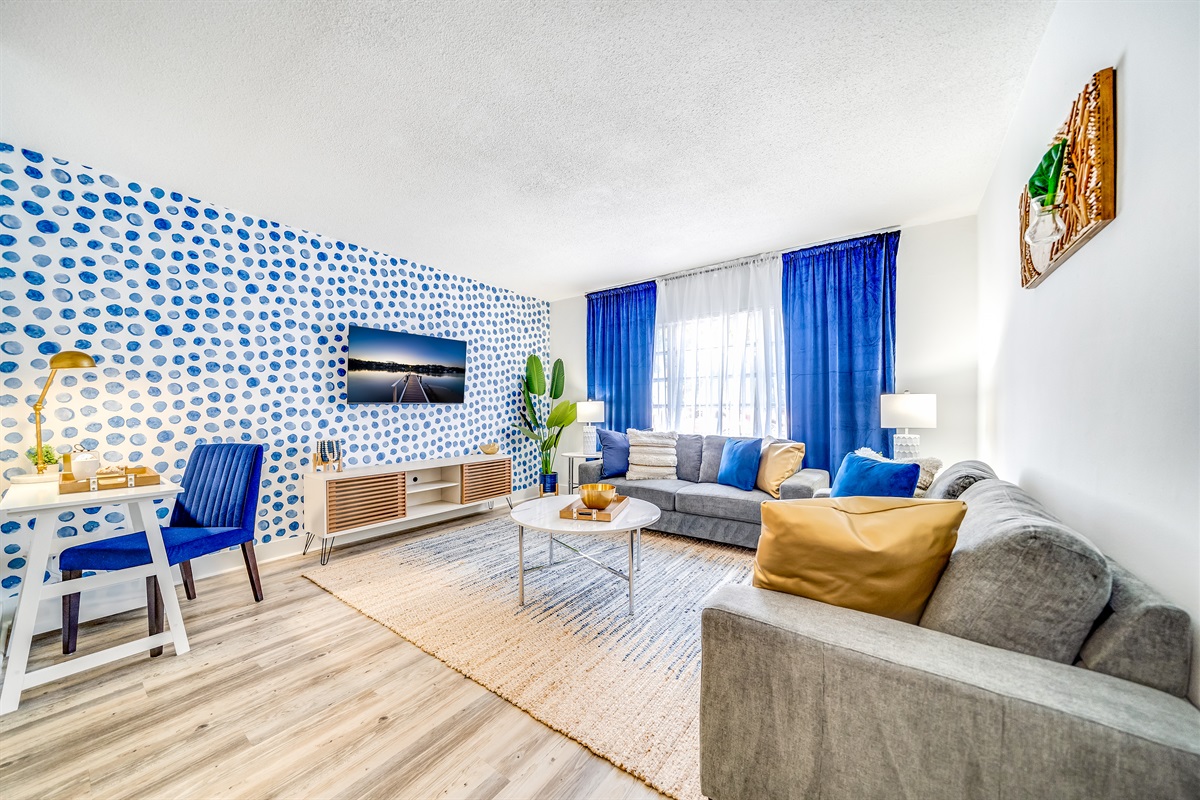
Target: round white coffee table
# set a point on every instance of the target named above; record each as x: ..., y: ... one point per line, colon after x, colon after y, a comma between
x: 542, y: 515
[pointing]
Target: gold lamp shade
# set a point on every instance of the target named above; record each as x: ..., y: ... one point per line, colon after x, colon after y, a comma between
x: 71, y: 359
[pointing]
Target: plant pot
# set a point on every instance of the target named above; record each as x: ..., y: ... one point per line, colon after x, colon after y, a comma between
x: 549, y: 483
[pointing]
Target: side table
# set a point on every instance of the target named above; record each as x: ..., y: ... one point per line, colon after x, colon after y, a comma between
x: 42, y: 500
x: 571, y: 459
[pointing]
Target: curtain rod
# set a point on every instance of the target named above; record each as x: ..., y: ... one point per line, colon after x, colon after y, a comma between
x: 727, y: 264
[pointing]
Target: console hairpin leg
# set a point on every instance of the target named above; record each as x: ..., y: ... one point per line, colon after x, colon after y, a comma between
x: 308, y: 540
x: 326, y: 550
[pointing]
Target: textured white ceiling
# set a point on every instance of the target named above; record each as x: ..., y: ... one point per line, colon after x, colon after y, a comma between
x: 550, y: 147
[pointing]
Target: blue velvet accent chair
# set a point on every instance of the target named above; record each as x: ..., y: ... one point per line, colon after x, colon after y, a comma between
x: 215, y: 512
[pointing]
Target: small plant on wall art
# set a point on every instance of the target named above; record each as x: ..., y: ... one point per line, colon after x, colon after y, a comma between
x: 539, y: 398
x: 1072, y: 193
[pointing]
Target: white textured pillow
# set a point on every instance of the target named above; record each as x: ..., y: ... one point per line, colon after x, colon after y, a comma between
x: 929, y: 467
x: 651, y: 455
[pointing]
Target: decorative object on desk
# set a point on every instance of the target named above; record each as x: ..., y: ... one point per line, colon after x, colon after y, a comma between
x: 327, y: 455
x: 577, y: 510
x: 539, y: 396
x: 590, y: 411
x: 80, y: 464
x: 49, y: 458
x: 489, y: 448
x: 111, y: 477
x: 907, y: 411
x: 67, y: 359
x: 597, y: 495
x: 1083, y: 199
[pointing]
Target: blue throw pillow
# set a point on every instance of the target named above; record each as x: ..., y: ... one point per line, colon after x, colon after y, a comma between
x: 614, y: 453
x: 739, y: 463
x: 866, y: 477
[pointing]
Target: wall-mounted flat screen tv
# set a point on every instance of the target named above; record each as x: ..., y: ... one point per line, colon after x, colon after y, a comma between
x: 397, y: 367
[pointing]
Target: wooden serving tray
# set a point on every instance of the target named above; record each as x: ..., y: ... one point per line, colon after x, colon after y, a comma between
x: 578, y: 510
x: 131, y: 477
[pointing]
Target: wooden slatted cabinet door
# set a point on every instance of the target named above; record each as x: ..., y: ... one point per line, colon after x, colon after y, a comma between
x: 486, y: 480
x: 362, y: 501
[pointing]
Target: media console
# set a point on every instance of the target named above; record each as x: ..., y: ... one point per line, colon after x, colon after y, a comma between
x: 371, y: 499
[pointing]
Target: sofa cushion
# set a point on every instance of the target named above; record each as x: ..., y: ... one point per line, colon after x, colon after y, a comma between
x: 739, y: 463
x: 1140, y: 636
x: 710, y: 460
x: 1019, y: 579
x: 659, y: 491
x: 957, y: 478
x: 867, y: 477
x: 928, y: 464
x: 881, y: 555
x: 651, y: 455
x: 780, y: 460
x: 689, y: 449
x: 716, y: 500
x: 614, y: 453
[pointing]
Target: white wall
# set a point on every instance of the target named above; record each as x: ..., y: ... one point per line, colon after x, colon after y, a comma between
x: 568, y: 341
x: 937, y: 308
x: 1089, y: 383
x: 936, y: 328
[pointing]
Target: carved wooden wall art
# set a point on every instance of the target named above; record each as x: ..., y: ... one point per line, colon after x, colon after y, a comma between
x: 1088, y: 186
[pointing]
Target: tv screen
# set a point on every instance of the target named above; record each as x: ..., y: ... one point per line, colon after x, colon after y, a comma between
x: 397, y: 367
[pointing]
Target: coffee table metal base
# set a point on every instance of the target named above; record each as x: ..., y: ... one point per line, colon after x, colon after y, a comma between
x: 635, y: 561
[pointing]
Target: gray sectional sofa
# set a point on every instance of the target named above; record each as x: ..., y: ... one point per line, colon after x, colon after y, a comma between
x: 695, y: 505
x: 1040, y: 669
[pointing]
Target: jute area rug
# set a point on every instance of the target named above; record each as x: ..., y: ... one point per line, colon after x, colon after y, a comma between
x: 627, y: 688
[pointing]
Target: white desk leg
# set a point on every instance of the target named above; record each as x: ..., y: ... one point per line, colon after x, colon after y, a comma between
x: 27, y: 608
x: 143, y: 518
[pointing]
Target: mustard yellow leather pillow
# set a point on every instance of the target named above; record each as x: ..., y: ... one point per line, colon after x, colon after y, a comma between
x: 778, y: 463
x: 881, y: 555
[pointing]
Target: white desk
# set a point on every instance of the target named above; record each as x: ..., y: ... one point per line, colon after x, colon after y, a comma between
x: 42, y: 500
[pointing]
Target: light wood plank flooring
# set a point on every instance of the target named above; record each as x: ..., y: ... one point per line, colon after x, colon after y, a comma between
x: 299, y: 696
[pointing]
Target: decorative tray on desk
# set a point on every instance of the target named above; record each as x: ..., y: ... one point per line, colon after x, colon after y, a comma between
x: 127, y: 478
x: 578, y: 510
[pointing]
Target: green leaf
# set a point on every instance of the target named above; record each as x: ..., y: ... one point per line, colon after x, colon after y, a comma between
x: 1044, y: 180
x: 562, y: 415
x: 558, y: 379
x: 535, y: 375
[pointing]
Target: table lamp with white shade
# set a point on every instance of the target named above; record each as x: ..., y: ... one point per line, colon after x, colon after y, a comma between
x: 907, y: 411
x: 590, y: 411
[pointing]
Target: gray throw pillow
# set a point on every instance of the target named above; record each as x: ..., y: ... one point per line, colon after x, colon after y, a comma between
x: 689, y: 451
x: 957, y: 478
x: 1018, y: 578
x: 710, y: 460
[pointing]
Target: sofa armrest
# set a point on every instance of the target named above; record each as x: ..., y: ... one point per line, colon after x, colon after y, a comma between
x: 589, y: 472
x: 803, y: 699
x: 803, y: 484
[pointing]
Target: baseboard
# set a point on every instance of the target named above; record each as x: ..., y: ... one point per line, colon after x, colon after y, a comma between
x: 100, y: 603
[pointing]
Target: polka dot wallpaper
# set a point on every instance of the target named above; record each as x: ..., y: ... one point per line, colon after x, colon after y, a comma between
x: 209, y: 325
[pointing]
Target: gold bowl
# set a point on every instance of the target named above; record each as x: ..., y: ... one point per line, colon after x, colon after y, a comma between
x: 490, y: 449
x: 597, y: 495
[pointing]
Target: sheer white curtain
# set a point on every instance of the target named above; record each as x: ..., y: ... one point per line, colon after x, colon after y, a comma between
x: 718, y: 361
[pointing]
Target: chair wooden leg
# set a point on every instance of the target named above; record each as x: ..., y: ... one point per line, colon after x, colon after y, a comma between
x: 252, y: 570
x: 154, y: 611
x: 70, y: 614
x: 189, y: 583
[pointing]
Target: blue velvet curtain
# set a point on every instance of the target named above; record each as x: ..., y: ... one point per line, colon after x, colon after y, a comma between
x: 839, y: 309
x: 620, y: 346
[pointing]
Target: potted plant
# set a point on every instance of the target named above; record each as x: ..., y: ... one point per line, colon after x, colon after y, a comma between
x: 1045, y: 223
x: 48, y: 455
x: 543, y: 419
